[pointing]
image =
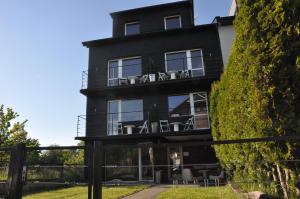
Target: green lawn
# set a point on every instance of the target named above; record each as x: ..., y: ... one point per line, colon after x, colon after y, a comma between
x: 81, y: 192
x: 199, y: 193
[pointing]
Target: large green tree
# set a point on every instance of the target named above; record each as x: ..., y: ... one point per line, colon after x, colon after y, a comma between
x: 259, y: 96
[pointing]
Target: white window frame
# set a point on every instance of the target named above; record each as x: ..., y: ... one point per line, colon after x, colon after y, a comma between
x: 120, y: 67
x: 172, y: 16
x: 192, y: 106
x: 189, y: 59
x: 119, y: 101
x: 129, y: 23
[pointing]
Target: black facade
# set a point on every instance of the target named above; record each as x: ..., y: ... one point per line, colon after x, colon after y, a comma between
x: 106, y: 90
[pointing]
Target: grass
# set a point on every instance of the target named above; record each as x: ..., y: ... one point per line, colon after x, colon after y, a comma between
x: 81, y: 192
x: 224, y: 192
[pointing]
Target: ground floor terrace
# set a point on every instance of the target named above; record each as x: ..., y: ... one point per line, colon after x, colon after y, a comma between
x: 157, y: 159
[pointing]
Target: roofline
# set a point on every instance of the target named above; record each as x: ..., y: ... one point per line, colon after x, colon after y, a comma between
x: 224, y: 21
x: 150, y: 7
x: 150, y: 34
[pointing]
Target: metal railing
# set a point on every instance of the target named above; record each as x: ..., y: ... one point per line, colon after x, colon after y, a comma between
x: 140, y: 122
x: 165, y: 70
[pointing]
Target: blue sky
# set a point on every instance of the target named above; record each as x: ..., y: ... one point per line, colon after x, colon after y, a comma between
x: 41, y: 57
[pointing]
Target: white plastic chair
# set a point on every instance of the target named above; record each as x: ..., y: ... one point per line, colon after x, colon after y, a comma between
x: 190, y: 124
x: 120, y: 128
x: 123, y: 81
x: 187, y: 176
x: 144, y: 79
x: 144, y: 127
x: 162, y: 76
x: 164, y: 126
x: 217, y: 178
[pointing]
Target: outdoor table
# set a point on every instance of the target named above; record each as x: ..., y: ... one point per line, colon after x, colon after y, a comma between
x: 132, y: 79
x: 176, y: 126
x: 204, y: 172
x: 172, y: 74
x: 129, y: 128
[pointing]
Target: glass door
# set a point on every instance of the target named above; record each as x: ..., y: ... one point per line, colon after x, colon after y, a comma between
x: 175, y: 163
x: 146, y: 169
x: 199, y: 108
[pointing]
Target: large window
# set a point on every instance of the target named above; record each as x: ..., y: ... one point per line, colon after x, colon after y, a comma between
x: 129, y: 163
x: 172, y: 22
x: 190, y: 104
x: 191, y: 60
x: 132, y: 28
x: 122, y: 68
x: 122, y: 111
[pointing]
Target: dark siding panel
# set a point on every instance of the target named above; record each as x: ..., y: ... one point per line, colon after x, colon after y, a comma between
x: 152, y: 21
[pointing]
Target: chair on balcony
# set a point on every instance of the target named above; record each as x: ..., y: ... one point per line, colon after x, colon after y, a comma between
x: 164, y: 126
x: 144, y: 79
x: 120, y: 128
x: 144, y: 127
x: 187, y: 176
x: 123, y: 81
x: 162, y: 76
x: 217, y: 178
x: 190, y: 124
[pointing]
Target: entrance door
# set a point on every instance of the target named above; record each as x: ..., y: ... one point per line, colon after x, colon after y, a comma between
x: 175, y: 162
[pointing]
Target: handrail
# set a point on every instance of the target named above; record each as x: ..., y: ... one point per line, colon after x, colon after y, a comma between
x: 156, y: 67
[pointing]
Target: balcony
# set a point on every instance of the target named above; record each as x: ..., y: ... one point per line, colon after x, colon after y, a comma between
x: 149, y: 76
x: 143, y: 123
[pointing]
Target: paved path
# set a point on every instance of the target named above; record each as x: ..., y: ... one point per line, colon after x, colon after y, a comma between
x: 149, y: 193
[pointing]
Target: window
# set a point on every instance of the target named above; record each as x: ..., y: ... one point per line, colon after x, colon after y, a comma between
x: 123, y: 111
x: 132, y: 28
x: 172, y: 22
x: 186, y: 60
x: 122, y: 68
x: 190, y: 104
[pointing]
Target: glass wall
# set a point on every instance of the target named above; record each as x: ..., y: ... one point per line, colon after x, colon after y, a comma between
x: 122, y: 68
x: 191, y: 60
x: 120, y: 111
x: 193, y: 104
x: 129, y: 163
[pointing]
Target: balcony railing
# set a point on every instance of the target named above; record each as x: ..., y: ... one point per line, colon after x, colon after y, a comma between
x: 166, y: 70
x: 142, y: 122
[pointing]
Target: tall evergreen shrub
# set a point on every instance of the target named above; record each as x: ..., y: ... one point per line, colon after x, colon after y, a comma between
x: 259, y: 96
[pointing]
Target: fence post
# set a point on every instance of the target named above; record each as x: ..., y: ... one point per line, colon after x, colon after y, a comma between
x: 16, y: 164
x: 97, y: 167
x: 89, y: 154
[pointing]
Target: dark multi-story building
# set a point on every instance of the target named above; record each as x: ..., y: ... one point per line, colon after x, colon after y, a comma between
x: 147, y: 92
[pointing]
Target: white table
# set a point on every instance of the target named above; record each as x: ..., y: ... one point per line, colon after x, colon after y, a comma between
x: 176, y: 126
x: 129, y: 128
x: 132, y: 79
x: 172, y: 74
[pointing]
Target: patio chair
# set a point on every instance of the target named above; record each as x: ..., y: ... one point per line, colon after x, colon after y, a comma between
x: 217, y: 178
x: 144, y: 79
x: 181, y: 74
x: 144, y: 127
x: 164, y: 126
x: 123, y: 81
x: 162, y: 76
x: 187, y: 176
x: 120, y: 128
x: 190, y: 124
x: 187, y: 74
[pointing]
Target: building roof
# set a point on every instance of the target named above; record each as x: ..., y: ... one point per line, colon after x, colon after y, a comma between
x: 154, y: 7
x: 224, y: 21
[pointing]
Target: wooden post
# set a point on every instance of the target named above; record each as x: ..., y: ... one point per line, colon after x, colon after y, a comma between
x: 97, y: 167
x: 16, y: 164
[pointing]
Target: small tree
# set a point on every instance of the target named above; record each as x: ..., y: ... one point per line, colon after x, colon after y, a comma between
x: 12, y: 133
